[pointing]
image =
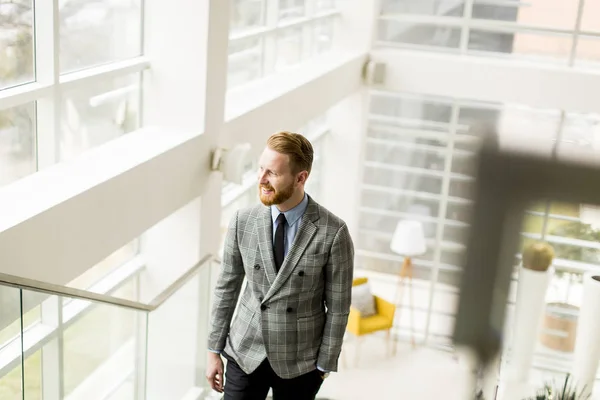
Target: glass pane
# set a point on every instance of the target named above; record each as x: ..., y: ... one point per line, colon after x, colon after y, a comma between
x: 173, y: 333
x: 246, y: 14
x: 379, y: 242
x: 560, y: 15
x: 464, y: 162
x: 456, y: 233
x: 419, y: 34
x: 323, y: 35
x: 590, y: 20
x: 406, y: 154
x: 16, y: 43
x: 96, y: 32
x: 100, y: 347
x: 404, y: 135
x: 575, y: 232
x: 462, y: 188
x: 415, y: 111
x: 532, y: 46
x: 33, y: 376
x: 459, y: 212
x: 289, y: 9
x: 10, y: 317
x: 426, y: 7
x: 289, y: 48
x: 245, y: 61
x: 106, y: 266
x: 10, y: 342
x: 97, y: 114
x: 453, y: 257
x: 588, y: 52
x: 407, y: 204
x: 17, y: 143
x: 414, y: 181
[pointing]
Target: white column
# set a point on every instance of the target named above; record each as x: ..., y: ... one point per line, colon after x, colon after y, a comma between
x: 210, y: 211
x: 47, y: 50
x: 186, y: 43
x: 47, y: 66
x: 357, y: 26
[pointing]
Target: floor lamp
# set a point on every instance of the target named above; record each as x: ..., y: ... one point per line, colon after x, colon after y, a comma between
x: 408, y: 241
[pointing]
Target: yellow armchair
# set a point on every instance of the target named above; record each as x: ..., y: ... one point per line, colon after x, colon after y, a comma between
x: 383, y: 320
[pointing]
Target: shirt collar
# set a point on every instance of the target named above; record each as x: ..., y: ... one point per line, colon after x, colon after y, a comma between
x: 293, y: 215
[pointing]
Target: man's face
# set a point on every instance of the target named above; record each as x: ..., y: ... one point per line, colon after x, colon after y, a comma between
x: 276, y: 183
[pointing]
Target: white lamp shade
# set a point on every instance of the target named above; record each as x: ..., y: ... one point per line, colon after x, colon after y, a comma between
x: 409, y: 239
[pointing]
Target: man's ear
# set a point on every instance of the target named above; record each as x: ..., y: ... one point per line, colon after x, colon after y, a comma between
x: 302, y: 177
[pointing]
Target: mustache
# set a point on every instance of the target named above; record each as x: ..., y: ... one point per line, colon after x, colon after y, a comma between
x: 268, y: 187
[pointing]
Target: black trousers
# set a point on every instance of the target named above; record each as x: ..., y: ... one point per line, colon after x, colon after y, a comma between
x: 255, y: 386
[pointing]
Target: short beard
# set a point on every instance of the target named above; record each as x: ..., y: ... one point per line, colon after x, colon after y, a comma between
x: 277, y: 197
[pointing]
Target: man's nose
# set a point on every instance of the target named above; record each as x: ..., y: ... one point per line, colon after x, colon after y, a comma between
x: 262, y: 178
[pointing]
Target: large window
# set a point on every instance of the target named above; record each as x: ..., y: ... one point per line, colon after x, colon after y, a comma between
x: 555, y: 31
x: 268, y: 36
x: 420, y: 165
x: 70, y: 80
x: 68, y: 88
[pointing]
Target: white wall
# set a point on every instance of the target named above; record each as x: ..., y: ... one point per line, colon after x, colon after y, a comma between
x: 170, y: 248
x: 342, y: 166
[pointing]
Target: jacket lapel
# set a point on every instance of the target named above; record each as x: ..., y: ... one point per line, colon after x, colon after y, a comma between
x: 264, y: 227
x: 305, y: 234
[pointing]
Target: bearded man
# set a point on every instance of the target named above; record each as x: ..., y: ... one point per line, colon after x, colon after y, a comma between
x: 298, y: 260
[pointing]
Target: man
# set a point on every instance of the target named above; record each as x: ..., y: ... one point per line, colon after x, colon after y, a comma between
x: 298, y: 260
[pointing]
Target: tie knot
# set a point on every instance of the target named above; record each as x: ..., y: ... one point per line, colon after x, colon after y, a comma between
x: 281, y: 219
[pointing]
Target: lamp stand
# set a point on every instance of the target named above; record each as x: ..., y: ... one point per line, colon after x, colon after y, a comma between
x: 406, y: 275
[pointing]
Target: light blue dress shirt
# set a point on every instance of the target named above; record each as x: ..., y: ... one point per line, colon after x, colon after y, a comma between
x: 293, y: 218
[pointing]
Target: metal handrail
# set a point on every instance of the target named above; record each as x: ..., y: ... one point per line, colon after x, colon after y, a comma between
x: 58, y: 290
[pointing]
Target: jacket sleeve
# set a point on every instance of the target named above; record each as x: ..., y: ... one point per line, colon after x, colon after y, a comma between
x: 227, y: 289
x: 339, y: 273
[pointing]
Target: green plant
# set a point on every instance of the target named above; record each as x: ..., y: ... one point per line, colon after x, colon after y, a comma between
x: 564, y: 391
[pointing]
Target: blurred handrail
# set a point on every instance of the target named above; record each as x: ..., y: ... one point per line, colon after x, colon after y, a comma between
x: 58, y: 290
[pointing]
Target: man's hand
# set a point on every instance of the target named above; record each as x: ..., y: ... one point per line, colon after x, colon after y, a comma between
x: 214, y: 372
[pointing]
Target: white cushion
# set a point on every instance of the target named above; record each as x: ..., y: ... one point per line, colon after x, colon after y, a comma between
x: 363, y: 300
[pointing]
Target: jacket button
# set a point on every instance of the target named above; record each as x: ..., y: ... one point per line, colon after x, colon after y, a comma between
x: 257, y: 267
x: 301, y: 273
x: 263, y: 307
x: 289, y: 309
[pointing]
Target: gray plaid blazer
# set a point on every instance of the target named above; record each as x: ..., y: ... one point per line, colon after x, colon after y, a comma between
x: 296, y: 317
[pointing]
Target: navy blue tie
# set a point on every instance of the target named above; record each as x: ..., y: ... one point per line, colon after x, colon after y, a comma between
x: 278, y: 245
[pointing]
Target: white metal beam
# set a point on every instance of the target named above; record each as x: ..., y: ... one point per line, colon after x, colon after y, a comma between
x: 504, y: 81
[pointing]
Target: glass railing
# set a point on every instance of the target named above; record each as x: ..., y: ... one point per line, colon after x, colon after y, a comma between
x: 61, y: 343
